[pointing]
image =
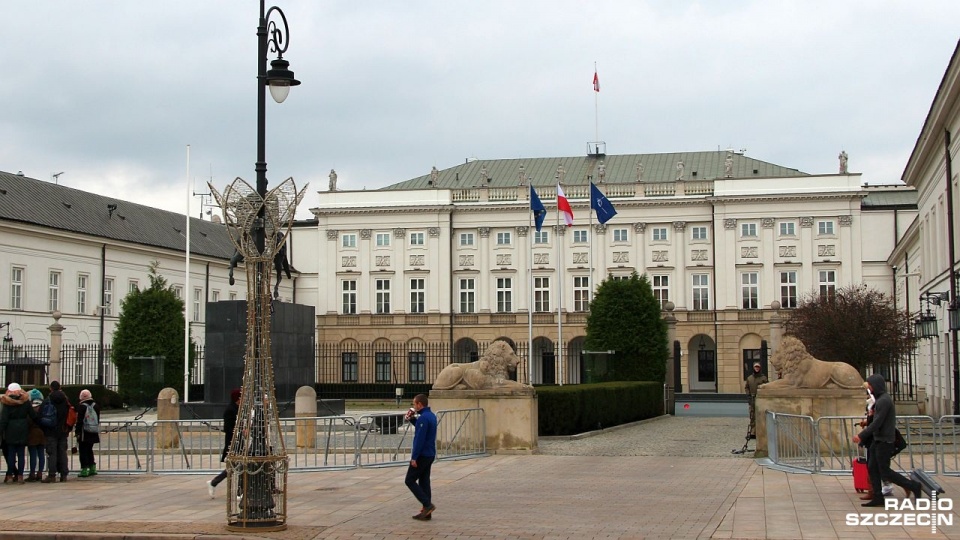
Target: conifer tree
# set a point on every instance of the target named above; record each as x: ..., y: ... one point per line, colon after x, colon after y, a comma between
x: 151, y: 324
x: 625, y: 317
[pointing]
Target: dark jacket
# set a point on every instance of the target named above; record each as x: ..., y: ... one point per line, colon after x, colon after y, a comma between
x: 883, y: 428
x: 425, y: 435
x: 35, y: 436
x: 82, y: 435
x: 229, y: 422
x: 62, y: 404
x: 14, y: 426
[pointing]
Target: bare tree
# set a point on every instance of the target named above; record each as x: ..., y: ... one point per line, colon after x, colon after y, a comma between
x: 856, y: 325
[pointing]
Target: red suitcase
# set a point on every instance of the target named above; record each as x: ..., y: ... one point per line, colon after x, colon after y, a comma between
x: 861, y: 479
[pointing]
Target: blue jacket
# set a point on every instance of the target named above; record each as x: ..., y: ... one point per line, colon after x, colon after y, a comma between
x: 425, y: 435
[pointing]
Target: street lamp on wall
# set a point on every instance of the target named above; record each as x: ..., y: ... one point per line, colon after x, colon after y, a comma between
x: 925, y: 325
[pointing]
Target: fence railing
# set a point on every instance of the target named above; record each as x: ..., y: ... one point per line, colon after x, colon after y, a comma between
x: 312, y: 444
x: 825, y: 445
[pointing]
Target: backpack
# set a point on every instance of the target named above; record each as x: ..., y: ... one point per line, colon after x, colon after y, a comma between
x: 71, y: 417
x: 48, y: 415
x: 91, y: 422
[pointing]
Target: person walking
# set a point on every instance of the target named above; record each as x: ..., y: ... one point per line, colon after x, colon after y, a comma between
x: 56, y: 436
x: 14, y: 428
x: 883, y: 428
x: 422, y: 455
x: 754, y: 380
x: 36, y: 442
x: 87, y: 432
x: 229, y: 422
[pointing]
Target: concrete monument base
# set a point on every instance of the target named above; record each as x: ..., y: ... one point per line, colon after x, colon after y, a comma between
x: 809, y: 402
x: 511, y: 415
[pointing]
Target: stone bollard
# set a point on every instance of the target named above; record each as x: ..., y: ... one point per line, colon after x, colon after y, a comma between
x: 305, y: 406
x: 168, y: 408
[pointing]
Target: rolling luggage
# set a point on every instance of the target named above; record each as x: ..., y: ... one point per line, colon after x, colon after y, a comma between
x: 861, y: 479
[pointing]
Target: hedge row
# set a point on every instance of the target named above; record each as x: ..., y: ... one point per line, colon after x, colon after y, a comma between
x: 571, y: 409
x: 103, y: 396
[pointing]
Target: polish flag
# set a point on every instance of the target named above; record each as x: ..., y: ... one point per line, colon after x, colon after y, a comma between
x: 596, y: 82
x: 564, y: 206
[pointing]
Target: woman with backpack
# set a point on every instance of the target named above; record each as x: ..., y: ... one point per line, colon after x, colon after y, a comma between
x: 14, y: 428
x: 36, y: 442
x: 87, y: 432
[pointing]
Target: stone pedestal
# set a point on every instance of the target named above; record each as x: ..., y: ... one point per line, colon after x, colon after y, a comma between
x: 807, y: 402
x: 168, y: 409
x: 511, y: 415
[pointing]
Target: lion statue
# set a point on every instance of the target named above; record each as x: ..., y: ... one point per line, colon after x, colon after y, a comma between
x: 801, y: 370
x: 490, y: 371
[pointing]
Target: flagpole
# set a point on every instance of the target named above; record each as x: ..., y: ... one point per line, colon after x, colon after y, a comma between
x: 590, y: 285
x: 531, y: 238
x: 559, y: 296
x: 186, y: 295
x: 596, y: 107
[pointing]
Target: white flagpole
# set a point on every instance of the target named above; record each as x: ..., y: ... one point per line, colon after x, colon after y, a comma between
x: 533, y: 230
x: 596, y: 109
x: 559, y: 294
x: 186, y: 296
x: 590, y: 284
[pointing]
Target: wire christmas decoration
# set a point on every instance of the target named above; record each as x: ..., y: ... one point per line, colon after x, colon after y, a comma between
x: 257, y: 462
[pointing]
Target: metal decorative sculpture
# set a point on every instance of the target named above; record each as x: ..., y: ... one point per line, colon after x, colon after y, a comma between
x: 257, y: 460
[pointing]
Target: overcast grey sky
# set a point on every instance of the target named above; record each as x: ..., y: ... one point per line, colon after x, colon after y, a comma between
x: 111, y: 92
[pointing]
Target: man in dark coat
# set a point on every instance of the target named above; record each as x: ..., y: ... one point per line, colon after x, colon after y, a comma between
x: 883, y: 428
x: 56, y: 437
x: 229, y: 422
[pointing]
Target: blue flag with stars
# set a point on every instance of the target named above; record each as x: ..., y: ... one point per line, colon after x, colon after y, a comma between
x: 539, y: 212
x: 601, y: 204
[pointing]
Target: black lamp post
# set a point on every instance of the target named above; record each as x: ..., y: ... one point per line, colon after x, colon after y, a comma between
x: 256, y: 457
x: 7, y: 340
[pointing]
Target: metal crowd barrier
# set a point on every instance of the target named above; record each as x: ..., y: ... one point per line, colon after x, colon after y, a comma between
x: 312, y: 444
x: 825, y: 445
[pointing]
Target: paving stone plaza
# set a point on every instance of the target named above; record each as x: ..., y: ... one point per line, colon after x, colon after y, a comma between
x: 672, y: 477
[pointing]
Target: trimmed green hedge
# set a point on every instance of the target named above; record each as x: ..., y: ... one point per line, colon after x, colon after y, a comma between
x: 577, y: 408
x: 103, y: 396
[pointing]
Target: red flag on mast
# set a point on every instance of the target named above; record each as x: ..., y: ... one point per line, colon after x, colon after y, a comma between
x: 596, y: 82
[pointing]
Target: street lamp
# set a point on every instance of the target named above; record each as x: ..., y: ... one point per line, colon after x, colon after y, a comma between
x: 256, y: 462
x: 7, y: 340
x: 925, y: 325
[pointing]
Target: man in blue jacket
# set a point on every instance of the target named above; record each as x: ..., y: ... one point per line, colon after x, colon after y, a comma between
x: 422, y: 455
x: 883, y: 428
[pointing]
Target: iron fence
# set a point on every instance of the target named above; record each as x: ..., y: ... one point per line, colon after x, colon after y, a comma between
x: 312, y: 443
x: 825, y: 445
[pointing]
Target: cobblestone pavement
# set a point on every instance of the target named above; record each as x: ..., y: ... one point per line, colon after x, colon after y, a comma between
x: 607, y: 485
x: 683, y: 436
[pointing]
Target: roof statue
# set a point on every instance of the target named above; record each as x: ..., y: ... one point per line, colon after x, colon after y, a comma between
x: 639, y: 171
x: 728, y: 166
x: 333, y: 180
x: 843, y: 161
x: 602, y: 172
x: 434, y: 175
x: 523, y: 175
x: 680, y: 170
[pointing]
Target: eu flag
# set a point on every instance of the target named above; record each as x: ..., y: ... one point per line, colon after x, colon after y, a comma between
x: 539, y: 212
x: 601, y: 204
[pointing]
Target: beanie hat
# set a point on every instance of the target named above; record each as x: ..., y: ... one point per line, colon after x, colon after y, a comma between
x: 36, y: 396
x: 13, y: 388
x: 85, y: 395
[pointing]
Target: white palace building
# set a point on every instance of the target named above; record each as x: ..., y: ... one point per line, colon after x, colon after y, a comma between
x: 449, y: 261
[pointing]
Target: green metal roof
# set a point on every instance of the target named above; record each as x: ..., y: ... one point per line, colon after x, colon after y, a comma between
x: 906, y: 198
x: 582, y: 169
